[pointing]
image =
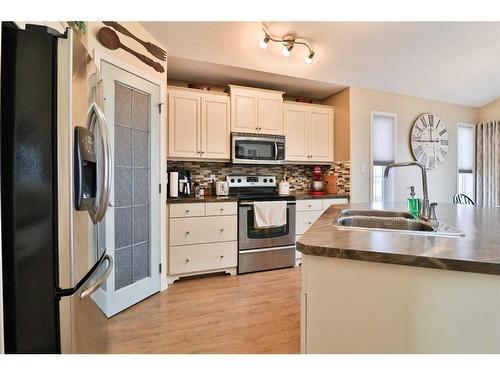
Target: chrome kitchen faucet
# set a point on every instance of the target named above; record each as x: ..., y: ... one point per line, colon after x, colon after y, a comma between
x: 425, y: 207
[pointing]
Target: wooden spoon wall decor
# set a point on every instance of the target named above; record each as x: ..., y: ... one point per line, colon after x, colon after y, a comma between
x: 153, y: 49
x: 109, y: 39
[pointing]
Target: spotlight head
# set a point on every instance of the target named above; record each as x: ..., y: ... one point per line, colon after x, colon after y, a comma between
x: 309, y: 58
x: 264, y: 42
x: 287, y: 49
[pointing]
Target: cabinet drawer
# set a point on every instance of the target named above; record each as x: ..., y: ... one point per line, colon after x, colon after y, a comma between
x: 204, y: 257
x: 328, y: 202
x: 195, y: 230
x: 309, y: 205
x: 187, y: 209
x: 305, y: 219
x: 221, y: 208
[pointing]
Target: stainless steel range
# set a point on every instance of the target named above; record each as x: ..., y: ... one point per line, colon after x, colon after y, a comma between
x: 262, y: 249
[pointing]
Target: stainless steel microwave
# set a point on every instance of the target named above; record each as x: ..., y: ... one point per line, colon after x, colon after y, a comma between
x: 257, y: 148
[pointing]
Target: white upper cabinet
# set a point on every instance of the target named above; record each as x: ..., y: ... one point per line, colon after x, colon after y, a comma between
x: 309, y: 132
x: 256, y: 111
x: 184, y: 115
x: 198, y: 124
x: 321, y: 134
x: 296, y: 132
x: 215, y: 127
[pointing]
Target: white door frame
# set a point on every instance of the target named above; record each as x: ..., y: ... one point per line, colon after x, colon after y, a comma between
x: 394, y: 116
x: 102, y: 56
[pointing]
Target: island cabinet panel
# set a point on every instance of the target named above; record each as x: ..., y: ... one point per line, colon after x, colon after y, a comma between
x: 309, y: 133
x: 198, y: 124
x: 202, y: 238
x: 256, y: 111
x: 352, y: 306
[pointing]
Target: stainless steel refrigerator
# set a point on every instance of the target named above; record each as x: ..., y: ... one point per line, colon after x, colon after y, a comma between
x: 55, y: 180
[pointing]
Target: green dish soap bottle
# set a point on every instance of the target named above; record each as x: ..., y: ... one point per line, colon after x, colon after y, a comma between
x: 412, y: 203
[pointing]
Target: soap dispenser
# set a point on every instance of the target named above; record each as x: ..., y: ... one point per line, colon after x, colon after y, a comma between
x: 412, y: 203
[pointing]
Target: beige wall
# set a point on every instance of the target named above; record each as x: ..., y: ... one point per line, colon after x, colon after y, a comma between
x: 341, y: 102
x: 490, y: 111
x: 442, y: 181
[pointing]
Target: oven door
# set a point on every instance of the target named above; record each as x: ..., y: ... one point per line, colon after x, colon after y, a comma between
x: 250, y: 237
x: 257, y: 150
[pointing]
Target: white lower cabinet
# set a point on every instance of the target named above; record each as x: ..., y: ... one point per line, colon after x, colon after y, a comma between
x: 307, y: 212
x: 202, y: 239
x: 203, y: 257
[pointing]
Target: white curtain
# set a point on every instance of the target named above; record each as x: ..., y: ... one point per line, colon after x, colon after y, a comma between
x: 488, y: 163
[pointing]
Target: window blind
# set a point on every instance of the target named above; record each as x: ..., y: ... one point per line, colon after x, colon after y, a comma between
x: 383, y: 140
x: 465, y: 149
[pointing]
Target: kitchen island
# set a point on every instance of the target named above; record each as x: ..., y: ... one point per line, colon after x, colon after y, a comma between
x: 371, y: 291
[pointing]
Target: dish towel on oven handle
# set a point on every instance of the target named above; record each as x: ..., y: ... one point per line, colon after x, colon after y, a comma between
x: 269, y: 214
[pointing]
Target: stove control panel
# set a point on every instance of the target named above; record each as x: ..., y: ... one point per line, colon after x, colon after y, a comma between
x: 251, y: 181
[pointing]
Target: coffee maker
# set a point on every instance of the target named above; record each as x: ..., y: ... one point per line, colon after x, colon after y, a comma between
x: 317, y: 186
x: 184, y: 183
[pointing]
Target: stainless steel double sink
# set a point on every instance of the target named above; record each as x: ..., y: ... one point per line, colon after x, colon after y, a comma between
x: 392, y: 221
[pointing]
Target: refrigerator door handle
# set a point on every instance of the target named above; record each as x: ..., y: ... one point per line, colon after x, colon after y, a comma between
x: 97, y: 123
x: 87, y: 292
x: 70, y: 291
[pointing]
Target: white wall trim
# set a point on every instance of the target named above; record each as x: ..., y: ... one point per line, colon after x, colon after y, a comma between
x: 473, y: 126
x: 102, y: 56
x: 394, y: 116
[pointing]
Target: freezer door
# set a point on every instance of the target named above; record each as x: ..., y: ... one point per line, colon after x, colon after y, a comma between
x: 81, y: 246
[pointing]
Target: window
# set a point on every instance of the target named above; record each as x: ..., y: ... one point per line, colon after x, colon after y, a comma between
x: 466, y: 155
x: 383, y: 150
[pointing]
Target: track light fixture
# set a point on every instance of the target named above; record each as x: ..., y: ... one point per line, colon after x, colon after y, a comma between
x: 288, y: 41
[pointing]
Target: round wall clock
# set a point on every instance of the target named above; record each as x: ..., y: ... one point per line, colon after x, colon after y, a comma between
x: 429, y: 140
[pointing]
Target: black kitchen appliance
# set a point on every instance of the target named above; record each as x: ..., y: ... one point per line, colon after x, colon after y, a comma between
x: 42, y: 276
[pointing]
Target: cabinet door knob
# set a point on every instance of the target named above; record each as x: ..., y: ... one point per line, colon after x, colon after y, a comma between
x: 187, y: 260
x: 221, y: 230
x: 187, y: 232
x: 222, y: 209
x: 222, y: 256
x: 111, y: 204
x: 309, y: 205
x: 309, y: 223
x: 187, y: 211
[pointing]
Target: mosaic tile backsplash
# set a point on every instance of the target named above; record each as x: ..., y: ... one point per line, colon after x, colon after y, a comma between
x: 300, y: 175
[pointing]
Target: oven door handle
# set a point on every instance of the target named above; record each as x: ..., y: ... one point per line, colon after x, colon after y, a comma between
x: 249, y: 204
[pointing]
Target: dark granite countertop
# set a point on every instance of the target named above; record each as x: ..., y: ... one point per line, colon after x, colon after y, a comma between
x: 202, y: 199
x: 305, y: 195
x: 478, y: 251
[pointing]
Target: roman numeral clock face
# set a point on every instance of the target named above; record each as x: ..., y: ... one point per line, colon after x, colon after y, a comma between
x: 429, y: 140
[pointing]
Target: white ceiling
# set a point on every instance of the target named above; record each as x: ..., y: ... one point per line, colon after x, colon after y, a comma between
x: 455, y: 62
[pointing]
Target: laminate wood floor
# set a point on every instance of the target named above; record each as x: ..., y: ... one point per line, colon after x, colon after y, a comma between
x: 253, y: 313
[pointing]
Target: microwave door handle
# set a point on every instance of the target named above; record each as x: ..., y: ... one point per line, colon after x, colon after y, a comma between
x: 275, y: 150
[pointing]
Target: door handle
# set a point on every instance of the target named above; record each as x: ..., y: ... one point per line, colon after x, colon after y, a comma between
x: 97, y: 121
x: 275, y: 150
x: 87, y: 292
